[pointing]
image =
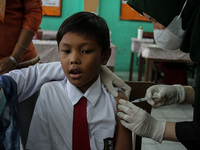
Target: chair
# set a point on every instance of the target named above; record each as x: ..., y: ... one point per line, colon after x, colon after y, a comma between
x: 138, y: 91
x: 148, y: 35
x: 26, y: 109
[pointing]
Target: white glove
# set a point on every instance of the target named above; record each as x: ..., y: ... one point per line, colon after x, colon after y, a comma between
x: 140, y: 122
x: 110, y: 80
x: 166, y: 95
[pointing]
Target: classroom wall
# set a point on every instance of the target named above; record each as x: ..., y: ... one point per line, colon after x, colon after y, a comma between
x: 69, y: 7
x: 122, y: 30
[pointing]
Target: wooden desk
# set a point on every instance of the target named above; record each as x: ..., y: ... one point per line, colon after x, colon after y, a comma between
x: 152, y: 52
x: 48, y: 52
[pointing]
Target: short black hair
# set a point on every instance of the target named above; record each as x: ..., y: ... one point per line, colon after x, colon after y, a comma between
x: 89, y: 25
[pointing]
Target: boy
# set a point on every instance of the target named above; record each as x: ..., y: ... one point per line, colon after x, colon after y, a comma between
x: 84, y: 46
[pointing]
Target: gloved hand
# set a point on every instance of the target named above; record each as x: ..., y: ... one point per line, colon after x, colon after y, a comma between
x: 166, y: 94
x: 110, y: 80
x: 140, y: 122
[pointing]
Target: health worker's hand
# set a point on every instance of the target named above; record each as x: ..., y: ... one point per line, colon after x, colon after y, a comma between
x: 110, y: 80
x: 140, y: 122
x: 166, y: 95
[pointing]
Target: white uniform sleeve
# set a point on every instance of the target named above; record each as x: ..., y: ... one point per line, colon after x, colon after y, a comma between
x: 29, y: 80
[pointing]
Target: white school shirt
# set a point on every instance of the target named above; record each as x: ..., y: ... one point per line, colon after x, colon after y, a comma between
x: 52, y: 122
x: 30, y: 79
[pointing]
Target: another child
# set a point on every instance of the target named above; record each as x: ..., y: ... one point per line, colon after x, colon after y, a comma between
x: 84, y: 46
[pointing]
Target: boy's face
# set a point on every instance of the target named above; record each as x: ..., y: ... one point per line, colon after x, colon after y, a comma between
x: 81, y: 59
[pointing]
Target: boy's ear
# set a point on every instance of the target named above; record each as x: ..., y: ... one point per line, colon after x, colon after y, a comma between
x: 106, y: 56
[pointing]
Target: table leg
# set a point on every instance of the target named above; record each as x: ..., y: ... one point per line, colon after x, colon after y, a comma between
x: 147, y: 69
x: 141, y: 63
x: 131, y: 66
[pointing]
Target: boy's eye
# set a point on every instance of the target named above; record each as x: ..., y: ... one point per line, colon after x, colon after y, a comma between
x: 86, y: 51
x: 65, y: 51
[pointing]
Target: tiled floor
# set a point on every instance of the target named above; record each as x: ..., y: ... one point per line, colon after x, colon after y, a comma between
x: 174, y: 113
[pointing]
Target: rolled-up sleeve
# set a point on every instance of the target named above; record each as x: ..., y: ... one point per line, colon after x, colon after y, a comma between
x: 32, y: 15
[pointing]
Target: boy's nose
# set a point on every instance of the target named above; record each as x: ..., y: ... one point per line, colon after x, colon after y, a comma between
x: 75, y: 61
x: 75, y: 58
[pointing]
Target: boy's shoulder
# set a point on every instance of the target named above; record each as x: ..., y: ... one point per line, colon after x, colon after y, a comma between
x: 51, y: 90
x: 53, y: 84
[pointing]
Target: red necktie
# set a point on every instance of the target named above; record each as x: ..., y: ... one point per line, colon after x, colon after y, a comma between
x: 2, y: 9
x: 80, y: 127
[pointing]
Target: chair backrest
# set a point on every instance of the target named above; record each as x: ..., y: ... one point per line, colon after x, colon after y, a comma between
x: 138, y: 91
x: 26, y: 109
x: 148, y: 34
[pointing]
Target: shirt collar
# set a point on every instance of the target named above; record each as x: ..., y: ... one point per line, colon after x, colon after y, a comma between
x: 92, y: 94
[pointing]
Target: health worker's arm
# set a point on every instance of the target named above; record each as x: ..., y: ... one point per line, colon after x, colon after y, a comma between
x: 190, y: 94
x: 143, y: 124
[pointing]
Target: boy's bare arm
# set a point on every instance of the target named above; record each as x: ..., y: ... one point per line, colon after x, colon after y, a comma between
x: 123, y: 136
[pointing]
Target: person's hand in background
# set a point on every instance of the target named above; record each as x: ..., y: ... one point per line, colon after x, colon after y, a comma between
x: 6, y: 65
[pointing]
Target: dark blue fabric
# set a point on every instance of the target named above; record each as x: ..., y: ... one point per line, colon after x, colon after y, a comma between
x: 188, y: 133
x: 9, y: 119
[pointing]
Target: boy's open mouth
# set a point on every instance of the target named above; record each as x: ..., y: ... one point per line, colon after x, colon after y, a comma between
x: 75, y: 73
